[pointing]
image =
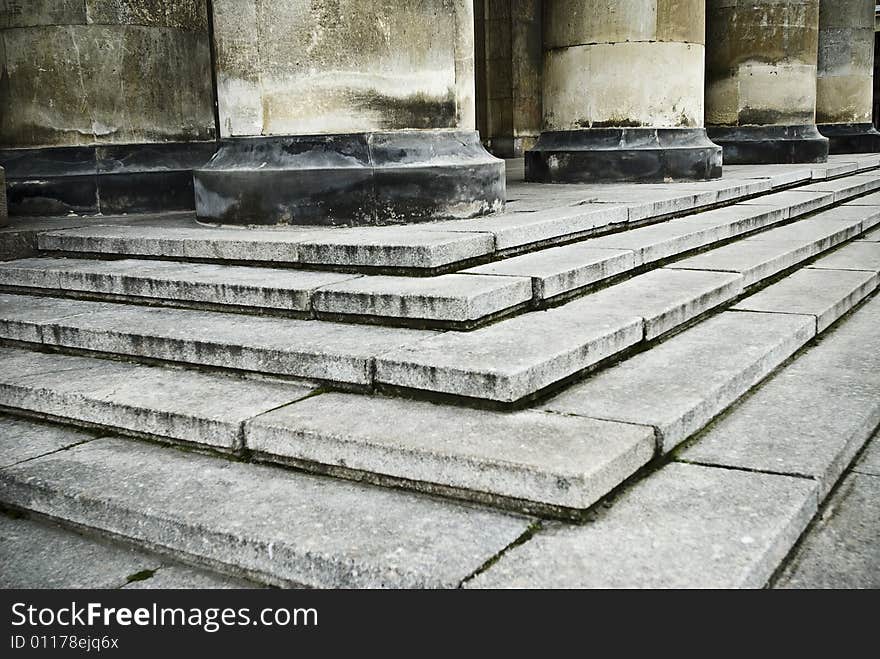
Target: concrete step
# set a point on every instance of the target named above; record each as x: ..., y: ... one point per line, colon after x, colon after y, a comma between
x: 453, y: 300
x: 731, y: 506
x: 507, y: 362
x: 595, y: 436
x: 431, y: 248
x: 270, y: 524
x: 40, y: 554
x: 169, y: 403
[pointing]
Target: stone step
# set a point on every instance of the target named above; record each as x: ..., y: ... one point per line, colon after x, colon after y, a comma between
x: 175, y: 404
x: 270, y: 524
x: 445, y: 300
x: 733, y: 503
x: 506, y: 363
x: 559, y: 462
x: 40, y: 554
x: 314, y: 350
x: 768, y: 253
x: 432, y: 247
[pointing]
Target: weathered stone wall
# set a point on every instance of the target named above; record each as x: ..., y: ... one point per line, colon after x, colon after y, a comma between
x: 845, y: 83
x: 85, y: 72
x: 761, y: 62
x: 305, y: 67
x: 511, y: 84
x: 623, y: 63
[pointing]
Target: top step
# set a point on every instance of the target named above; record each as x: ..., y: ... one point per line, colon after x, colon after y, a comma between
x: 534, y: 220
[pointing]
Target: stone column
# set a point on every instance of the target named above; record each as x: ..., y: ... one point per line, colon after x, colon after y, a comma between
x: 761, y: 80
x: 346, y: 112
x: 511, y: 77
x: 623, y: 93
x: 105, y: 106
x: 845, y: 86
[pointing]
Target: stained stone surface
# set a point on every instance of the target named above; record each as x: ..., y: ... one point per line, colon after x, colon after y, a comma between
x: 23, y: 439
x: 328, y: 533
x: 534, y: 456
x: 854, y: 256
x: 841, y: 550
x: 825, y: 294
x: 679, y: 385
x: 299, y: 348
x: 869, y: 462
x: 810, y: 419
x: 178, y: 577
x: 174, y: 403
x: 42, y: 555
x: 684, y: 526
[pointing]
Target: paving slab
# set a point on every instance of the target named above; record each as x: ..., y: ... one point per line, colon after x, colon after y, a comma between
x: 681, y: 384
x: 513, y: 358
x: 846, y: 188
x: 559, y: 270
x: 392, y: 247
x: 841, y: 550
x: 42, y: 555
x: 854, y: 256
x: 299, y: 348
x: 684, y: 526
x: 452, y: 298
x: 825, y: 294
x: 833, y: 169
x: 870, y: 236
x: 513, y: 230
x: 265, y: 288
x: 867, y: 215
x: 23, y: 439
x: 667, y: 239
x: 810, y: 419
x: 761, y: 256
x: 666, y: 298
x: 778, y: 175
x: 271, y: 523
x: 199, y: 408
x: 195, y: 242
x: 549, y: 459
x: 798, y: 203
x: 644, y: 202
x: 872, y: 199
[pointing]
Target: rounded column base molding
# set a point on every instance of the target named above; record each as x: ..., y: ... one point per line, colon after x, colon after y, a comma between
x: 851, y: 138
x: 601, y: 155
x: 356, y: 179
x: 767, y: 145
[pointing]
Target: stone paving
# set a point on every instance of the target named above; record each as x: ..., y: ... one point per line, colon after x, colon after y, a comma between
x: 606, y: 386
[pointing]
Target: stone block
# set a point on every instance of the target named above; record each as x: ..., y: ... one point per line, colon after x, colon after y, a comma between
x: 685, y: 526
x: 327, y: 533
x: 23, y: 439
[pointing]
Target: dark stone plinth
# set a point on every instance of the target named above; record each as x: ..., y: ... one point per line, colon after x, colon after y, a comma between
x: 644, y: 155
x: 111, y: 179
x: 851, y: 138
x: 355, y: 179
x: 768, y: 145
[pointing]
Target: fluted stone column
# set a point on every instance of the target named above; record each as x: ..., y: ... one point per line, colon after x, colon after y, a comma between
x: 761, y: 80
x: 845, y: 85
x: 623, y: 93
x: 510, y: 98
x: 346, y: 112
x: 105, y: 106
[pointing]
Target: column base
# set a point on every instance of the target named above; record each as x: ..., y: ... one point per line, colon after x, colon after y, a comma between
x: 851, y: 138
x: 357, y: 179
x: 111, y: 179
x: 769, y: 145
x: 602, y: 155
